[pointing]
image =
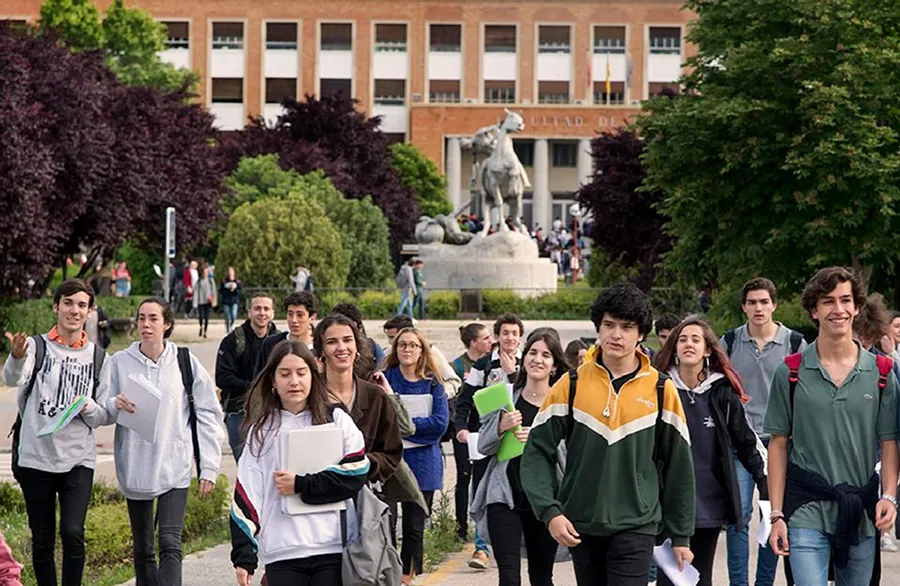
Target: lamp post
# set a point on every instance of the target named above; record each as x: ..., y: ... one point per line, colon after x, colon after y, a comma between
x: 575, y: 210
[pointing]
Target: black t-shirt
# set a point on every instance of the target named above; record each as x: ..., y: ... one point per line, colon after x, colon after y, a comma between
x: 617, y: 383
x: 529, y: 412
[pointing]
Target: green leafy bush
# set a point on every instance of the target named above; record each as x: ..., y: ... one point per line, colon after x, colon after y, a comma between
x: 266, y: 239
x: 378, y: 304
x: 442, y: 305
x: 420, y: 174
x: 497, y: 301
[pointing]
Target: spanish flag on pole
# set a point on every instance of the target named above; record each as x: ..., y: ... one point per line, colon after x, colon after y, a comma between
x: 608, y: 81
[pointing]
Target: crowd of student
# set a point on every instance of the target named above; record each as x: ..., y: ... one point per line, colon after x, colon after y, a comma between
x: 624, y: 448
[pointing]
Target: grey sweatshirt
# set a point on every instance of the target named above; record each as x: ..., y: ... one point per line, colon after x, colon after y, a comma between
x: 67, y: 373
x: 146, y: 469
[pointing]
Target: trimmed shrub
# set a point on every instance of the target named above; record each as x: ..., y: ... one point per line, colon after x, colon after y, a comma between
x: 497, y: 301
x: 378, y: 304
x: 443, y: 305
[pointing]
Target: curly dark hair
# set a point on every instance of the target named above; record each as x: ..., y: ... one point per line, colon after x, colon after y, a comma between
x: 667, y: 321
x: 304, y: 298
x: 824, y: 282
x: 624, y: 301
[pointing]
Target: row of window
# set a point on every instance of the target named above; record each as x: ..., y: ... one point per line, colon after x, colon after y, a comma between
x: 338, y: 36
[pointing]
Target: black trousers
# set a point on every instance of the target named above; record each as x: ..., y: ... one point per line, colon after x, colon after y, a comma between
x: 204, y: 309
x: 318, y: 570
x: 703, y: 546
x: 622, y: 559
x: 40, y: 490
x: 507, y: 527
x: 461, y: 492
x: 412, y: 550
x: 170, y: 513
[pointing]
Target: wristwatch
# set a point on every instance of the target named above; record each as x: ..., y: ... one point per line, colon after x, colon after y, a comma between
x: 890, y: 498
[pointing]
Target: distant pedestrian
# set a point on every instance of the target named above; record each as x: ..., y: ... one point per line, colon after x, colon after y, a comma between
x: 206, y: 296
x: 419, y: 281
x: 301, y: 279
x: 122, y: 279
x: 230, y: 290
x: 575, y: 351
x: 406, y: 283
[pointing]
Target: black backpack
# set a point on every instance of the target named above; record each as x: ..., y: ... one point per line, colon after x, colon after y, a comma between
x: 40, y: 353
x: 729, y: 336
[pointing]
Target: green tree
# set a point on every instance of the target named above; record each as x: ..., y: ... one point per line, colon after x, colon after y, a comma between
x: 266, y: 239
x: 129, y: 38
x: 361, y: 225
x: 782, y: 156
x: 420, y: 174
x: 140, y: 265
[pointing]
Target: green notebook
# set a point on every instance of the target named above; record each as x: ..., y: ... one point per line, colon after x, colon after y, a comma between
x: 490, y: 399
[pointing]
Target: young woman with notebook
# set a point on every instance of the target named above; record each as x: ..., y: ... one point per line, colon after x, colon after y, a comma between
x: 500, y: 505
x: 154, y: 446
x: 289, y: 396
x: 413, y: 374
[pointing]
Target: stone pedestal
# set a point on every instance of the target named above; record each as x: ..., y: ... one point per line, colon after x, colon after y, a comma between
x: 505, y: 260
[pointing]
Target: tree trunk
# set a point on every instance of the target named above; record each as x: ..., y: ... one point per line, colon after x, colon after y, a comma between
x: 863, y: 272
x: 65, y: 267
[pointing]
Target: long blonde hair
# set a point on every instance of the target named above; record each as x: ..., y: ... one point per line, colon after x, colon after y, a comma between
x: 426, y: 366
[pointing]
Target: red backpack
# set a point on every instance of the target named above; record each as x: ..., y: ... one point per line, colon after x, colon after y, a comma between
x: 885, y: 365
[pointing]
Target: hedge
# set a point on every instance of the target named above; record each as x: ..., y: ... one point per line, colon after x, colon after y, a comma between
x: 108, y: 537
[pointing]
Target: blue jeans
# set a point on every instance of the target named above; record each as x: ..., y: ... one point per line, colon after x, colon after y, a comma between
x: 811, y: 550
x: 233, y: 422
x: 230, y: 310
x: 480, y: 543
x: 738, y: 541
x: 406, y: 302
x: 419, y: 305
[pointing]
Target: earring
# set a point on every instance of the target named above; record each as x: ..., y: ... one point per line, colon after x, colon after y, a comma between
x: 677, y: 361
x: 706, y: 362
x: 274, y: 391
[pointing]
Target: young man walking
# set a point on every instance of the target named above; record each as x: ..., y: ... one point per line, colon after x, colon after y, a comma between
x: 51, y: 374
x: 301, y: 310
x: 623, y: 445
x: 756, y: 349
x: 235, y: 363
x: 835, y: 401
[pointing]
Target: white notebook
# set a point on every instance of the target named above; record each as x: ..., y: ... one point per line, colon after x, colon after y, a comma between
x: 307, y: 451
x: 146, y: 398
x: 416, y: 406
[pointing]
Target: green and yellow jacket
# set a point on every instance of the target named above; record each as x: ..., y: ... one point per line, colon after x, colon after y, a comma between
x: 611, y: 483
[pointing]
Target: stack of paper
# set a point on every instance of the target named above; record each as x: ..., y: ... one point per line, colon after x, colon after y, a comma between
x: 63, y: 417
x: 307, y: 451
x: 146, y: 398
x: 665, y: 561
x: 472, y: 442
x: 417, y: 406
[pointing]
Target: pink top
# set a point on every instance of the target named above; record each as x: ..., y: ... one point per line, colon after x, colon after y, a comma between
x: 10, y: 570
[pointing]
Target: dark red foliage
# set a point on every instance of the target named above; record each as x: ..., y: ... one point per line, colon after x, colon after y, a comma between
x: 626, y: 224
x: 86, y: 163
x: 332, y: 135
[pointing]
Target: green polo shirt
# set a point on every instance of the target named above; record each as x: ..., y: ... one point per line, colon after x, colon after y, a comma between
x: 835, y: 430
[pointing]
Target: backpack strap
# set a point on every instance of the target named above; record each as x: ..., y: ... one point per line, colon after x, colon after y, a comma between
x: 793, y: 362
x: 187, y: 379
x: 570, y: 418
x: 796, y: 340
x: 99, y: 358
x: 660, y: 397
x: 729, y: 341
x: 885, y: 366
x: 40, y: 353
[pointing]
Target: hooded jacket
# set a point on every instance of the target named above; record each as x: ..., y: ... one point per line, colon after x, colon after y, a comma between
x: 733, y: 430
x: 258, y: 525
x: 146, y: 469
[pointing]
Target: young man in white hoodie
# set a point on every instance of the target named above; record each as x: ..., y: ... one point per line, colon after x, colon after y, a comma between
x: 161, y: 470
x: 60, y: 464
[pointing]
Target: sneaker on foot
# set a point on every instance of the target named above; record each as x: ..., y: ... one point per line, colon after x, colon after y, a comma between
x: 887, y: 544
x: 479, y: 560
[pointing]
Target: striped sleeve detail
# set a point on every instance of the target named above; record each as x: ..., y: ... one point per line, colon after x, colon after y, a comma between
x: 550, y: 411
x: 335, y: 483
x: 673, y: 412
x: 244, y: 522
x: 354, y: 464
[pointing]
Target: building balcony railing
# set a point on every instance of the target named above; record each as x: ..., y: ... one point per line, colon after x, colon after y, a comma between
x: 390, y: 46
x: 500, y: 96
x: 390, y: 100
x: 609, y: 46
x: 553, y: 98
x: 439, y: 48
x: 337, y: 46
x: 227, y: 43
x: 665, y: 45
x: 281, y: 45
x: 443, y: 98
x: 177, y: 43
x: 554, y: 48
x: 615, y: 98
x: 500, y: 49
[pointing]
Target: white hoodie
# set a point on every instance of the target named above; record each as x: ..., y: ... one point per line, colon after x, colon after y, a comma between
x: 258, y: 525
x: 146, y: 469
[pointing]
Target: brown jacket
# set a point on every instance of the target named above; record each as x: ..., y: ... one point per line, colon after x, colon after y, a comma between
x: 374, y: 414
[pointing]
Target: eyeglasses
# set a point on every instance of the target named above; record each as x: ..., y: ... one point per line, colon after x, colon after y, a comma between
x: 408, y: 346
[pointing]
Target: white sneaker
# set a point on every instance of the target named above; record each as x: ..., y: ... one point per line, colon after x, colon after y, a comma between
x: 887, y: 544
